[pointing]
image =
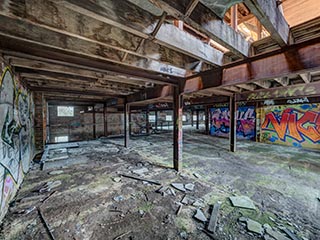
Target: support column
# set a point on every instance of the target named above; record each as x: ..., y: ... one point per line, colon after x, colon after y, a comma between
x: 197, y: 124
x: 177, y: 129
x: 191, y: 118
x: 126, y: 124
x: 147, y: 122
x: 233, y: 123
x: 156, y: 120
x: 94, y: 122
x: 207, y: 117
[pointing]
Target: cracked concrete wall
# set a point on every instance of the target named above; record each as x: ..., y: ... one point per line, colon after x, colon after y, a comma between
x: 17, y: 143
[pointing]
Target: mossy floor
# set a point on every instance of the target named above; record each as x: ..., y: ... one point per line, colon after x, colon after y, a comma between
x: 282, y: 182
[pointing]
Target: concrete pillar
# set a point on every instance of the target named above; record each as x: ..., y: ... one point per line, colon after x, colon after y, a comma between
x: 177, y: 129
x: 233, y: 124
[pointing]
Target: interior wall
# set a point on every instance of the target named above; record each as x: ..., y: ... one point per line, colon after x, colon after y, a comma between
x: 296, y: 125
x: 76, y: 128
x: 17, y: 146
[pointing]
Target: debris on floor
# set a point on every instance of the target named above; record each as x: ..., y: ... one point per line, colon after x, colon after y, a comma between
x: 199, y: 215
x: 242, y: 202
x: 124, y: 195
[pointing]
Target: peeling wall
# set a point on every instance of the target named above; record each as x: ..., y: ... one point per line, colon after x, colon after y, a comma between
x: 17, y: 136
x: 293, y: 125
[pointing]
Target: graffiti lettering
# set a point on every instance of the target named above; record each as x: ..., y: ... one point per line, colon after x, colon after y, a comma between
x: 298, y: 100
x: 220, y: 122
x: 268, y: 102
x: 293, y: 125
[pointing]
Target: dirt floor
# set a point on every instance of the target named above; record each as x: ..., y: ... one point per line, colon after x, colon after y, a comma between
x: 91, y: 199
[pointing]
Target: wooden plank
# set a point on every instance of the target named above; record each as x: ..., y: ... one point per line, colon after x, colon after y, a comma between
x: 141, y: 179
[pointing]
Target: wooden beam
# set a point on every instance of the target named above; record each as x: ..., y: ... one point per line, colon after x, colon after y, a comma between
x: 210, y: 25
x: 143, y: 24
x: 306, y: 77
x: 271, y: 18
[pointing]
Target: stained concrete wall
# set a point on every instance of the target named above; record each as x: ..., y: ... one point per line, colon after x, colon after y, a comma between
x: 17, y: 143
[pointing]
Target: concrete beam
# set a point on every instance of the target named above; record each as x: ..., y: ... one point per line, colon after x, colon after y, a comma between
x: 131, y: 18
x: 271, y: 18
x: 207, y: 22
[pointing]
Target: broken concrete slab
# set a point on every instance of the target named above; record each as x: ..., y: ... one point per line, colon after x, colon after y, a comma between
x: 49, y: 186
x: 197, y: 175
x: 116, y: 179
x: 189, y: 186
x: 242, y: 202
x: 198, y: 203
x: 214, y: 218
x: 290, y: 234
x: 178, y: 186
x: 254, y: 227
x: 118, y: 198
x: 200, y: 216
x: 140, y: 171
x: 276, y: 235
x: 56, y: 172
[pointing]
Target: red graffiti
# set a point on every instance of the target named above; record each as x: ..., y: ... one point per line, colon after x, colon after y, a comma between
x: 289, y: 124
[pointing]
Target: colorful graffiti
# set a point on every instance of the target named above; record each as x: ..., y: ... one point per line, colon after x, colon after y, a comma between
x: 294, y: 125
x: 220, y: 122
x: 16, y: 136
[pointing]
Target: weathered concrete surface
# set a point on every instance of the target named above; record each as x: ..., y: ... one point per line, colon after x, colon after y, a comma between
x: 283, y: 185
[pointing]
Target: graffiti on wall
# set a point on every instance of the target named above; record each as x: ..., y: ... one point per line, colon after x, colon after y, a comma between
x: 220, y: 122
x: 294, y: 125
x: 16, y: 136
